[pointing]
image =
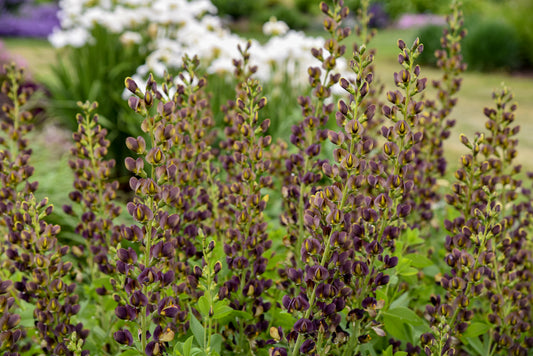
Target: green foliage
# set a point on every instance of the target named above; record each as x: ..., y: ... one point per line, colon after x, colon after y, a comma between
x: 430, y: 36
x: 294, y: 19
x: 395, y: 8
x: 237, y: 9
x: 519, y: 13
x: 96, y: 71
x: 492, y: 45
x: 307, y: 6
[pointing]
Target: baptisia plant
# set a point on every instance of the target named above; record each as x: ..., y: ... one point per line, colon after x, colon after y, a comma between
x: 246, y: 240
x: 96, y: 210
x: 352, y: 221
x: 487, y: 288
x: 435, y: 121
x: 94, y: 192
x: 32, y: 254
x: 159, y: 274
x: 303, y: 169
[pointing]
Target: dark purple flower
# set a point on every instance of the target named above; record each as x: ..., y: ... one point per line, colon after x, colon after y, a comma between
x: 307, y: 346
x: 304, y: 326
x: 123, y: 337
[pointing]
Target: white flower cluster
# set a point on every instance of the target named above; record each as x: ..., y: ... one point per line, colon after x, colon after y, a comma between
x: 172, y: 28
x: 274, y: 27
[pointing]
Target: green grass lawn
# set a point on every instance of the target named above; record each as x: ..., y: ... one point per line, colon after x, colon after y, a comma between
x: 474, y: 96
x: 37, y: 53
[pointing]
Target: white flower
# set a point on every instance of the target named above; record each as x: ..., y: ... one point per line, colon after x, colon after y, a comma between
x: 76, y: 37
x: 130, y: 37
x: 274, y: 27
x: 221, y: 65
x: 177, y: 27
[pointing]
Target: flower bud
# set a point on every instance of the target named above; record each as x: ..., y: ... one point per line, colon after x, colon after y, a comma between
x: 131, y: 85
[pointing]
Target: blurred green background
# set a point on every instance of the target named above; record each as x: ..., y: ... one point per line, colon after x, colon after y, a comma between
x: 498, y: 49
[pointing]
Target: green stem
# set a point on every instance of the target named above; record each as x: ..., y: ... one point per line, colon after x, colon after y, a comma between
x: 301, y: 210
x: 468, y: 194
x: 209, y: 321
x: 451, y: 322
x: 145, y: 289
x: 16, y: 113
x: 144, y: 326
x: 325, y: 258
x: 352, y: 347
x: 100, y: 207
x: 94, y: 166
x: 407, y: 95
x: 364, y: 21
x: 301, y: 202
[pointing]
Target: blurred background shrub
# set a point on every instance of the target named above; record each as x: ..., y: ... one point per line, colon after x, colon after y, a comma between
x: 519, y: 13
x: 396, y: 8
x: 238, y: 9
x: 492, y: 45
x: 430, y: 36
x: 10, y: 5
x: 295, y: 19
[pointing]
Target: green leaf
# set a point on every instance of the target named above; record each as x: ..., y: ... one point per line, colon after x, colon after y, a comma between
x: 400, y: 353
x: 26, y: 314
x: 203, y: 306
x: 397, y: 330
x: 432, y: 271
x: 404, y: 268
x: 216, y: 343
x: 368, y: 349
x: 418, y: 260
x: 198, y: 352
x: 197, y: 330
x: 184, y: 348
x: 221, y: 310
x: 388, y: 351
x: 401, y: 301
x: 282, y: 318
x: 94, y: 90
x: 475, y: 344
x: 404, y: 315
x: 393, y: 280
x: 476, y: 329
x: 187, y: 346
x: 99, y: 334
x: 274, y: 260
x: 413, y: 237
x: 242, y: 314
x: 130, y: 352
x: 218, y: 254
x: 400, y: 322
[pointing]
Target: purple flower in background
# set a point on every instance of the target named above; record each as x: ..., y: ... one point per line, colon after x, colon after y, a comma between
x: 29, y: 21
x: 420, y: 20
x: 378, y: 16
